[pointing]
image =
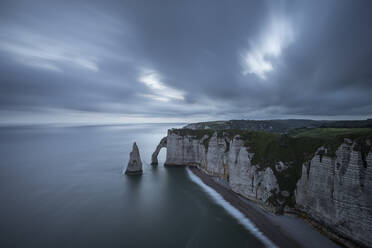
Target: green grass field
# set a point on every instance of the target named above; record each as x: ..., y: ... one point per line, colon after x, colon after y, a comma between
x: 329, y: 133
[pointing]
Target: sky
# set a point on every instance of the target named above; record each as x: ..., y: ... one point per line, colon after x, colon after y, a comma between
x: 184, y: 61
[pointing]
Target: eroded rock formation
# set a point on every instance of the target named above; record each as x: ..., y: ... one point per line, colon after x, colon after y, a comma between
x: 333, y: 188
x: 154, y: 157
x: 135, y: 164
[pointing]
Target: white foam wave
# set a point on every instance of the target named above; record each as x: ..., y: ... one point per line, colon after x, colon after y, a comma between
x: 232, y: 210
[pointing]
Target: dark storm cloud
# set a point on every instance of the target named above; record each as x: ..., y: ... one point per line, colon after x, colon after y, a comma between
x: 197, y: 59
x: 329, y: 65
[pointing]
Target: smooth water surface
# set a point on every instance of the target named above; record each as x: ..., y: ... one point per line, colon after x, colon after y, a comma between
x: 64, y: 187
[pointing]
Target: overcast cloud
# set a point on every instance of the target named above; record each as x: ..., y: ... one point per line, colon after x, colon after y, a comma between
x: 129, y: 61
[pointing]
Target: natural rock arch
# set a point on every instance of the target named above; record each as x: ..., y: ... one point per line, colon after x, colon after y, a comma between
x: 154, y: 157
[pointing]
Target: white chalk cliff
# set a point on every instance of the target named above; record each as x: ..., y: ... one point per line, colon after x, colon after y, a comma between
x: 335, y: 191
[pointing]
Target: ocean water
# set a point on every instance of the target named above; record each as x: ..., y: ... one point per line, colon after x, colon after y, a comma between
x: 64, y: 187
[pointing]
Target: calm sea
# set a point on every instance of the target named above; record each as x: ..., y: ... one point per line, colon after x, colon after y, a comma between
x: 64, y: 187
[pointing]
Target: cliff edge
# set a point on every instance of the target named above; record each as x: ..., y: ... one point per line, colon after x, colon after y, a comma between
x: 324, y: 173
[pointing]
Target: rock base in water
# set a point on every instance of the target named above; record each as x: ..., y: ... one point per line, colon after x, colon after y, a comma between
x: 133, y: 173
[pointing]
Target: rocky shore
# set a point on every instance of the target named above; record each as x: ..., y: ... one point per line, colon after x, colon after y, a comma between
x: 283, y: 231
x: 276, y: 235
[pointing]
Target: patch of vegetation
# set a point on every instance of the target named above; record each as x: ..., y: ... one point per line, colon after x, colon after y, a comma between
x: 329, y: 133
x: 269, y: 149
x: 364, y: 148
x: 227, y: 146
x: 193, y: 133
x: 333, y: 137
x: 296, y: 148
x: 206, y: 142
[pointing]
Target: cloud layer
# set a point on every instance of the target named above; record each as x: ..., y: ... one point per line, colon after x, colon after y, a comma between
x: 184, y: 60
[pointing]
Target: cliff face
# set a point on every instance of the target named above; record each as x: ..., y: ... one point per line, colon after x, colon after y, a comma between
x: 337, y: 191
x: 247, y: 179
x: 334, y: 188
x: 226, y: 159
x: 183, y: 150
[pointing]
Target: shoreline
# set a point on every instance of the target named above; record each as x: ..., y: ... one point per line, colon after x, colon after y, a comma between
x: 282, y: 230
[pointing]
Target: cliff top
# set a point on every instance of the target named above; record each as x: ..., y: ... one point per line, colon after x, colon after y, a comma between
x: 324, y: 133
x: 327, y: 133
x: 278, y: 126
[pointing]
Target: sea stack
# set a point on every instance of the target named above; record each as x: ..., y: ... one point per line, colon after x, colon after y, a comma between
x: 135, y: 163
